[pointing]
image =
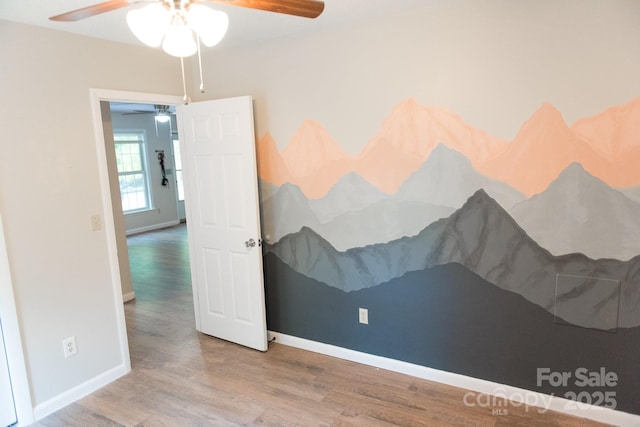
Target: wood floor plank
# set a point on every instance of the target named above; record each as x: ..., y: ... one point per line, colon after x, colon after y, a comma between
x: 183, y: 378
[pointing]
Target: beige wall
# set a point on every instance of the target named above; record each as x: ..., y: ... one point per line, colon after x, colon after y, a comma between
x: 49, y: 188
x: 494, y: 62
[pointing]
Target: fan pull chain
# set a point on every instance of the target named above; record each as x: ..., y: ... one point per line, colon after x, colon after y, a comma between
x: 184, y: 83
x: 200, y: 65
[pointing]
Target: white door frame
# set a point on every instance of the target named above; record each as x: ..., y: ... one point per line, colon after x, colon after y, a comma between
x: 98, y: 95
x: 13, y: 340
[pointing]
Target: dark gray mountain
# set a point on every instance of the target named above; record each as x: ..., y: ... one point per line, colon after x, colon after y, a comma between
x: 580, y: 213
x: 482, y: 237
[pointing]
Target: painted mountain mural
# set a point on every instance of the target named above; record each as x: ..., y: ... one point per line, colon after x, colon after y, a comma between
x: 482, y: 237
x: 354, y: 213
x: 502, y: 244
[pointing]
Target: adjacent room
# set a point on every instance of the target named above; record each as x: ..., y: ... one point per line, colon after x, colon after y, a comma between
x: 303, y: 212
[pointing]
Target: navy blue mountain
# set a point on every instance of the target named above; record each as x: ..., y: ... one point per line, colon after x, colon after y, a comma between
x: 449, y: 318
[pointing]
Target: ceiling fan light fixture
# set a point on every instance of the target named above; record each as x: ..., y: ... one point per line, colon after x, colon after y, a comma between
x: 149, y: 23
x: 178, y: 40
x: 210, y: 25
x: 162, y: 118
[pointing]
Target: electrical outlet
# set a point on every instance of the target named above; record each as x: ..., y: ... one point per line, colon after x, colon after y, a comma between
x: 96, y: 223
x: 69, y: 347
x: 363, y: 315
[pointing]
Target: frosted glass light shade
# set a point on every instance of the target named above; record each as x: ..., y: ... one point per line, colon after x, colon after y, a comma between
x: 162, y: 118
x: 211, y: 25
x: 149, y: 23
x: 178, y: 41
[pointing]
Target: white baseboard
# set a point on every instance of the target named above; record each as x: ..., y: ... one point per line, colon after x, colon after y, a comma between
x: 129, y: 296
x: 152, y: 227
x: 78, y: 392
x: 539, y: 401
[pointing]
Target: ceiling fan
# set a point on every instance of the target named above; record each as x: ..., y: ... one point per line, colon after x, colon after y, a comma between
x: 303, y: 8
x: 179, y: 26
x: 173, y: 23
x: 162, y: 112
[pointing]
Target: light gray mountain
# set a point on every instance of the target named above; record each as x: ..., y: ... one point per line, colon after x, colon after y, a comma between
x: 381, y: 222
x: 351, y: 193
x: 580, y: 213
x: 483, y: 238
x: 266, y: 189
x: 355, y: 213
x: 631, y: 192
x: 287, y: 211
x: 448, y: 178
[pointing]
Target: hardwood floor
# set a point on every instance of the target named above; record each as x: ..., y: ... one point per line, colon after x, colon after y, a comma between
x: 182, y: 378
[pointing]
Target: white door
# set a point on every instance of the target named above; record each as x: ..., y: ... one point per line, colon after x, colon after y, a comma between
x: 223, y: 222
x: 7, y: 409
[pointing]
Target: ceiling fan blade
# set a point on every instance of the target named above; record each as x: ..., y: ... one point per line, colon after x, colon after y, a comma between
x: 303, y: 8
x: 86, y: 12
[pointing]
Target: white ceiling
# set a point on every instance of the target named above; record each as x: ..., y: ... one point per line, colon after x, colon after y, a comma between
x: 246, y: 26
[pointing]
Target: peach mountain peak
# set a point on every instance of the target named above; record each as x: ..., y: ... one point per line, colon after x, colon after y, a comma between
x: 415, y: 130
x: 541, y: 150
x: 311, y: 149
x: 612, y: 133
x: 315, y: 160
x: 271, y: 167
x: 544, y: 146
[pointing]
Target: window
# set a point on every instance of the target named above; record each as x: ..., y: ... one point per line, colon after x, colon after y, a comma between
x: 132, y: 171
x: 179, y: 181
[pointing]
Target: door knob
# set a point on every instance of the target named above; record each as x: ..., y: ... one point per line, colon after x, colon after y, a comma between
x: 250, y: 243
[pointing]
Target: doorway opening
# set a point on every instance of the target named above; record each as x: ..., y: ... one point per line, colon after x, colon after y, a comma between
x: 112, y: 203
x: 148, y: 174
x: 228, y: 289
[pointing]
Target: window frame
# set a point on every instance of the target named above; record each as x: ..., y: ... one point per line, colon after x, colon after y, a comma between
x: 144, y: 165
